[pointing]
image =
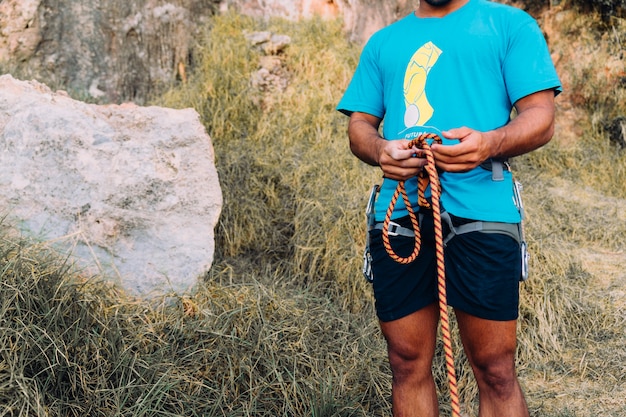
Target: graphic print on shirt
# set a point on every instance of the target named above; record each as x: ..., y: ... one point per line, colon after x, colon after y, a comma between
x: 418, y: 109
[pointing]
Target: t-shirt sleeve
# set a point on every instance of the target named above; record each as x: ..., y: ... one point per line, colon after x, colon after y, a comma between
x: 528, y: 66
x: 365, y: 91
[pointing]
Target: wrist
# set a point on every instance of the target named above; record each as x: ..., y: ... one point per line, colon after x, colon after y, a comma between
x: 495, y: 140
x: 379, y: 149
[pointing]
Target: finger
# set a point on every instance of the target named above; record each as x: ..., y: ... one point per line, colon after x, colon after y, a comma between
x: 456, y: 133
x: 401, y: 154
x: 452, y: 167
x: 402, y: 170
x: 417, y: 152
x: 448, y: 151
x: 397, y: 150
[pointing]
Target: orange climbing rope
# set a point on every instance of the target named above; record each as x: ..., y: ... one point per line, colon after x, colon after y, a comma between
x: 428, y: 175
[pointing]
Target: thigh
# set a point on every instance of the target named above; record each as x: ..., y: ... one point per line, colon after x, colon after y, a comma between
x: 412, y: 337
x: 488, y: 343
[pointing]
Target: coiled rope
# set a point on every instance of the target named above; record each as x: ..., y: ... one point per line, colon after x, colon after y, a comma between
x: 428, y: 175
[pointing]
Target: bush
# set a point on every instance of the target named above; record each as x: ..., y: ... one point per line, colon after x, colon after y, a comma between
x: 606, y: 8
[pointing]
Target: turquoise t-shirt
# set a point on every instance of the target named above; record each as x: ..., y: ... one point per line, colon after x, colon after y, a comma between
x: 464, y: 69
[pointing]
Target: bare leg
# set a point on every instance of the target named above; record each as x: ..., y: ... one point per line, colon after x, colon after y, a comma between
x: 411, y: 347
x: 490, y: 348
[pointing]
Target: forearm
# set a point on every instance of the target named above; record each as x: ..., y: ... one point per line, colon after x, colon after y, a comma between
x: 365, y: 140
x: 532, y: 128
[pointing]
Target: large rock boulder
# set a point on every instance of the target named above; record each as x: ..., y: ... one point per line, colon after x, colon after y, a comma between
x: 130, y: 191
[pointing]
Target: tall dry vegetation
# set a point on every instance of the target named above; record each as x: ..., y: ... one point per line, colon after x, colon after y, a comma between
x: 285, y: 325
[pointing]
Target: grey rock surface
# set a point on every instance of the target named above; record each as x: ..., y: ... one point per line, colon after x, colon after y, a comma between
x: 132, y: 192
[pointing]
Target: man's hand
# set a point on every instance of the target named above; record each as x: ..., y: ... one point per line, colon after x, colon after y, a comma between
x: 472, y: 150
x: 398, y: 162
x: 392, y: 156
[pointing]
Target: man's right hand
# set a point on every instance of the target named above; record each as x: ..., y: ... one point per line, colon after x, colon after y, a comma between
x: 392, y: 156
x: 399, y: 162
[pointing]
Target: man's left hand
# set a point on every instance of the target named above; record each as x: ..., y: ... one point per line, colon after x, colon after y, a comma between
x: 472, y: 150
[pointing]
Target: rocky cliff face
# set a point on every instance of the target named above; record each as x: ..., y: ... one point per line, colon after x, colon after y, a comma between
x: 122, y: 50
x: 115, y: 51
x: 361, y: 17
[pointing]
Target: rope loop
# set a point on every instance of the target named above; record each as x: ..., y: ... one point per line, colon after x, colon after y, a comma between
x: 426, y: 176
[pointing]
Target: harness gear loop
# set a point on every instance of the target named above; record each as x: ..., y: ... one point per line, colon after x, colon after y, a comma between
x: 428, y: 175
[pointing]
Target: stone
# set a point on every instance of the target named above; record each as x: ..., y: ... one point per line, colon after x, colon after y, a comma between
x: 130, y: 192
x: 128, y: 50
x: 115, y: 51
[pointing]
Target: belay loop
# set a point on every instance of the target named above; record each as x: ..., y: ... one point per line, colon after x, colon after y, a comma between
x: 427, y: 176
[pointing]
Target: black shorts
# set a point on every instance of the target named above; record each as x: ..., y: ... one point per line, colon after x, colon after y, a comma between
x: 482, y: 273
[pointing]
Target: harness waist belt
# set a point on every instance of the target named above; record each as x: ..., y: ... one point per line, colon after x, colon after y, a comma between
x: 395, y: 229
x: 510, y: 229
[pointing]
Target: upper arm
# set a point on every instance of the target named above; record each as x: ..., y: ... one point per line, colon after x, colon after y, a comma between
x: 541, y: 100
x: 356, y: 118
x: 538, y: 109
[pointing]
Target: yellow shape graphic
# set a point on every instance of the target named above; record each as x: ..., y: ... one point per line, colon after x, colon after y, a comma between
x: 418, y: 109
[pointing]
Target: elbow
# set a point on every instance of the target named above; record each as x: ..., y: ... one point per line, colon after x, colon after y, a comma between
x: 352, y: 142
x: 544, y: 124
x: 548, y: 132
x: 353, y: 147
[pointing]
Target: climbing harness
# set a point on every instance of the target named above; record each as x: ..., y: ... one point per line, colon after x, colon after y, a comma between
x: 428, y: 175
x: 513, y: 230
x: 509, y: 229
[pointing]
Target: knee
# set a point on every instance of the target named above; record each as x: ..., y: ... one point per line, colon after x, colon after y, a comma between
x: 410, y: 364
x: 498, y: 376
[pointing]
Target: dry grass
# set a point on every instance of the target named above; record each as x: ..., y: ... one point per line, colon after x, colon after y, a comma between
x: 285, y: 325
